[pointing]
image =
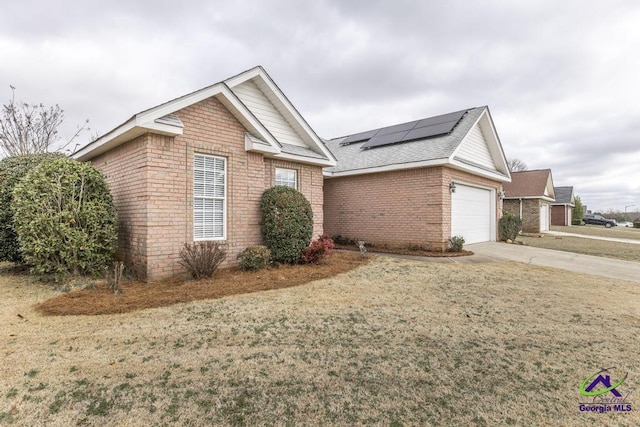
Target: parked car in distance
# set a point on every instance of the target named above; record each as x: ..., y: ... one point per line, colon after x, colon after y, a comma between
x: 626, y: 224
x: 599, y: 220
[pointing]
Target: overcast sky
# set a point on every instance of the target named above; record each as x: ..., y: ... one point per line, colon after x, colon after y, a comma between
x: 560, y: 77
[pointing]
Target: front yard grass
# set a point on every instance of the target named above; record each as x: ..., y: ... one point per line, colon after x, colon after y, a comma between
x: 581, y: 245
x: 395, y: 342
x: 600, y: 231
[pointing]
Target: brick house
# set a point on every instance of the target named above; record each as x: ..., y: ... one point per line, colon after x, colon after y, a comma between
x: 562, y: 208
x: 195, y: 168
x: 418, y: 183
x: 529, y: 196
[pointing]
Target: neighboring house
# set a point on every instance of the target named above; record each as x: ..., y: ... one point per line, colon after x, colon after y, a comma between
x: 195, y: 168
x: 529, y: 196
x: 418, y: 183
x: 562, y: 208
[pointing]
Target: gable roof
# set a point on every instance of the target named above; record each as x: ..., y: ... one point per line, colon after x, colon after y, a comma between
x: 564, y: 196
x: 472, y: 145
x: 533, y: 184
x: 274, y: 127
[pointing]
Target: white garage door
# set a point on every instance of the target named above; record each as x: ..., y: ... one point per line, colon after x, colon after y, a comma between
x: 544, y: 218
x: 471, y: 214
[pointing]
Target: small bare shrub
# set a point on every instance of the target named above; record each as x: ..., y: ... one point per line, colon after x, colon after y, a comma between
x: 202, y: 259
x: 254, y: 258
x: 115, y: 277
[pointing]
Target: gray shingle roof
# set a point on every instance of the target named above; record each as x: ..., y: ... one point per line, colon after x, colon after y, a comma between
x: 563, y: 195
x: 351, y: 157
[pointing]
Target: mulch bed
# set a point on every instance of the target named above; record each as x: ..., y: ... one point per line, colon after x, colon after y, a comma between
x: 138, y: 295
x: 406, y: 251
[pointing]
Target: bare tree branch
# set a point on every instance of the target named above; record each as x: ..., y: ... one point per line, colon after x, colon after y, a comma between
x: 516, y: 165
x: 31, y: 128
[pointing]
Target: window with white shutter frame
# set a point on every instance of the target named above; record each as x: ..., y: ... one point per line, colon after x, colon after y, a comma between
x: 209, y: 197
x: 287, y: 177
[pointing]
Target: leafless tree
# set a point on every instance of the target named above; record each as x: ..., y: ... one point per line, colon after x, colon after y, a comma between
x: 31, y: 128
x: 517, y: 165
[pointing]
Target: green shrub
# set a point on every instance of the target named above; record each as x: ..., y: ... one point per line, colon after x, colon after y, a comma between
x: 65, y: 218
x: 509, y: 226
x: 12, y: 170
x: 254, y: 258
x: 456, y: 243
x: 202, y: 259
x: 287, y: 223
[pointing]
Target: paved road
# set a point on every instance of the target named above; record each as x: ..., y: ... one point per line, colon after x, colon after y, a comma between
x: 610, y: 239
x: 597, y: 266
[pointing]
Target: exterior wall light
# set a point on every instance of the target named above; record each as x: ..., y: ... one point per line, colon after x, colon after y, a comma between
x: 501, y: 195
x: 452, y: 187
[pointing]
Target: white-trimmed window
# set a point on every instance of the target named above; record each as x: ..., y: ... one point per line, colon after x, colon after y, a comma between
x: 287, y: 177
x: 209, y: 197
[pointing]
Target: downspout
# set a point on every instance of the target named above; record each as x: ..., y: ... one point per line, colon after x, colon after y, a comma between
x: 520, y: 208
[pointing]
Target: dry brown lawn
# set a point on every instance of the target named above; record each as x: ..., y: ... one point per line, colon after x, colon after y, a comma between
x: 395, y: 342
x: 581, y: 245
x: 600, y: 231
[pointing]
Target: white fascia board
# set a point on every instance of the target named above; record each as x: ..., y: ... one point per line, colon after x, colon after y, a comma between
x: 237, y: 107
x: 243, y: 77
x: 105, y: 142
x: 478, y: 171
x: 250, y: 144
x: 309, y: 135
x: 219, y: 89
x: 303, y: 159
x: 493, y: 143
x: 547, y: 199
x: 386, y: 168
x: 177, y: 104
x: 163, y: 129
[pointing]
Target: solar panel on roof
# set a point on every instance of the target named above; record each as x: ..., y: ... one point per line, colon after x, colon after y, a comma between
x: 422, y: 129
x: 387, y: 139
x: 444, y: 118
x: 397, y: 128
x: 362, y: 136
x: 429, y: 131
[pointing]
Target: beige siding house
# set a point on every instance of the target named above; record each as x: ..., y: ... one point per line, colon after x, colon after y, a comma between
x: 195, y: 168
x: 418, y: 183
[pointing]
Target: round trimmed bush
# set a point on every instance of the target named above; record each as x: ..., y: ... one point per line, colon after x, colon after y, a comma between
x: 254, y: 258
x: 65, y: 218
x: 12, y: 170
x: 287, y: 223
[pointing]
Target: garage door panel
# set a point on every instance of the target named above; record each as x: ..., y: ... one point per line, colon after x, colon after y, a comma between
x: 471, y: 214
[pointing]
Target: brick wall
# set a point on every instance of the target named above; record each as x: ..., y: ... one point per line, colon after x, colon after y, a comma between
x: 400, y: 208
x: 151, y: 180
x: 530, y: 213
x: 125, y: 168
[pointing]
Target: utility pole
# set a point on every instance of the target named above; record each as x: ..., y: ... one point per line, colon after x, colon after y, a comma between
x: 626, y: 218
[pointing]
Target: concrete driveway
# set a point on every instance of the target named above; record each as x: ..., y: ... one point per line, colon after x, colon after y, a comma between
x: 597, y: 266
